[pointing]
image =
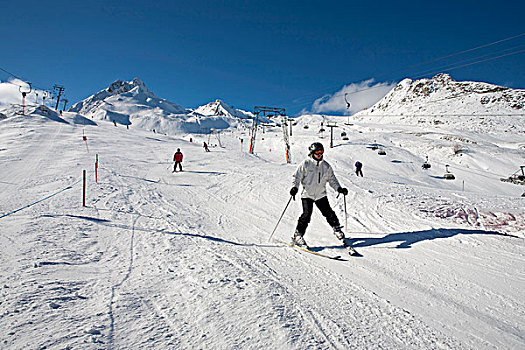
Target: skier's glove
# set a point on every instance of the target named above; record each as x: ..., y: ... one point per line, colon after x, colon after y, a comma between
x: 342, y: 190
x: 293, y: 192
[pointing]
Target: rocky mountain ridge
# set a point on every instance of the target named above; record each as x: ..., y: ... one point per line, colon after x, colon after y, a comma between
x: 413, y: 95
x: 442, y: 100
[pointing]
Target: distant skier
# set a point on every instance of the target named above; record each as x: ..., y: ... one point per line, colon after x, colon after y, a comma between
x: 177, y: 157
x: 206, y: 147
x: 358, y: 167
x: 313, y: 174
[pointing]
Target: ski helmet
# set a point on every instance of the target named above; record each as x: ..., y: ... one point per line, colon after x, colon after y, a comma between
x: 316, y: 146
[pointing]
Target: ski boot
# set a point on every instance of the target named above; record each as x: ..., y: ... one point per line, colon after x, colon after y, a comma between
x: 298, y: 240
x: 338, y: 232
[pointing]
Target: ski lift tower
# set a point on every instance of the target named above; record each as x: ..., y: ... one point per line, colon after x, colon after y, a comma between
x: 331, y: 126
x: 270, y: 112
x: 24, y: 94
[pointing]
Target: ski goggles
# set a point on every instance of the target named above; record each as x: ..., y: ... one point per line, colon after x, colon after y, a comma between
x: 318, y: 153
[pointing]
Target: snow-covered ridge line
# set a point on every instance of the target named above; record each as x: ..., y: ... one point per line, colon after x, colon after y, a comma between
x: 220, y: 108
x: 118, y: 91
x: 436, y: 95
x: 131, y: 103
x: 473, y: 106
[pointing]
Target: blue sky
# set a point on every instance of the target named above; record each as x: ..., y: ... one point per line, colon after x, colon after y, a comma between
x: 248, y: 53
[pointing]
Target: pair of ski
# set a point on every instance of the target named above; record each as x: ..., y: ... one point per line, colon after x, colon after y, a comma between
x: 350, y: 250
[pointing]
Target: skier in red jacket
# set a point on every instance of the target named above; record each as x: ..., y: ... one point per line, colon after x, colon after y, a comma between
x: 177, y: 157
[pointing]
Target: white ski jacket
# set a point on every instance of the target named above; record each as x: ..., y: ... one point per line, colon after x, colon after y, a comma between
x: 314, y: 175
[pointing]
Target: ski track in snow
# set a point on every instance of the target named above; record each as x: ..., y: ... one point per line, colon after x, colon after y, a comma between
x: 162, y: 260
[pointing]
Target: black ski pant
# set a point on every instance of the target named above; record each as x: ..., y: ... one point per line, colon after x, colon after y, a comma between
x: 175, y: 167
x: 359, y: 172
x: 308, y: 206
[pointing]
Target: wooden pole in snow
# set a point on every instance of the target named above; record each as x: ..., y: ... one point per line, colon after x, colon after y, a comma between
x: 84, y: 190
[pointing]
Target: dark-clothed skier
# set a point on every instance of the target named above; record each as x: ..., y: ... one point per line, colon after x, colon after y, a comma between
x: 313, y: 174
x: 358, y: 167
x: 177, y: 157
x: 206, y: 147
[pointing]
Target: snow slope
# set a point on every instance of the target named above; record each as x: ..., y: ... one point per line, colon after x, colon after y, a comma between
x: 164, y: 260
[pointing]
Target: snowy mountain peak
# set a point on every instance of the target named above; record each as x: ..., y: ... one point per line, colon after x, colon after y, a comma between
x: 131, y: 103
x: 443, y: 86
x: 136, y: 85
x: 221, y: 108
x: 217, y: 107
x: 125, y: 96
x: 440, y: 98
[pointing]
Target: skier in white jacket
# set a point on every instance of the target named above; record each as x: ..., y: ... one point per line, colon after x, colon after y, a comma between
x: 313, y: 174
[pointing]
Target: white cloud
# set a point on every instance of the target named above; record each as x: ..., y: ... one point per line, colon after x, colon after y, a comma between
x: 11, y: 93
x: 361, y: 95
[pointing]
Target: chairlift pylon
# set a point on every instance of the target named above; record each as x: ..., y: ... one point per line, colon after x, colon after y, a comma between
x: 24, y: 94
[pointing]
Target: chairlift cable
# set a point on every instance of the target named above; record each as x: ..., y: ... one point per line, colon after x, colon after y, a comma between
x: 299, y: 103
x: 452, y: 67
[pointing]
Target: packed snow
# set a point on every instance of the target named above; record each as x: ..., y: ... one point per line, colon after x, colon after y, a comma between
x: 164, y: 260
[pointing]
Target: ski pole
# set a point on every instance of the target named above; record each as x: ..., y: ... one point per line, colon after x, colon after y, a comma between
x: 344, y: 200
x: 287, y: 204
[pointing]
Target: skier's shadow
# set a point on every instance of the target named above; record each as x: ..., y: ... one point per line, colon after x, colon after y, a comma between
x: 204, y: 172
x: 407, y: 239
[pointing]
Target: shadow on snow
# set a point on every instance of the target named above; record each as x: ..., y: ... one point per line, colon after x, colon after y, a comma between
x: 407, y: 239
x: 131, y: 228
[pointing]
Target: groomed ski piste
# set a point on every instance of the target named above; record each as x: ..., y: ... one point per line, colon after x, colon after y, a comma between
x: 162, y: 260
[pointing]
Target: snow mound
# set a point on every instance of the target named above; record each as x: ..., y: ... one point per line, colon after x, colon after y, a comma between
x: 42, y: 114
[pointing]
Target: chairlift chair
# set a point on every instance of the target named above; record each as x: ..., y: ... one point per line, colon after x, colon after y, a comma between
x: 516, y: 178
x: 426, y: 164
x: 448, y: 175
